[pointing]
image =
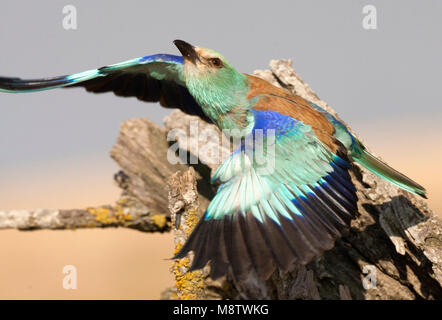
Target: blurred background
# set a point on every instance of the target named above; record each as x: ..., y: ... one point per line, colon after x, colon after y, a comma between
x: 385, y: 83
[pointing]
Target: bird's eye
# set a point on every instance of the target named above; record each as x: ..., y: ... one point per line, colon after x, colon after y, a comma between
x: 216, y: 62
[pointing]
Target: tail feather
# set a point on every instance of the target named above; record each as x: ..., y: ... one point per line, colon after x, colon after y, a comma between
x: 383, y: 170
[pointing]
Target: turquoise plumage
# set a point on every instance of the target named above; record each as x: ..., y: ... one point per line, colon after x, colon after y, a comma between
x: 285, y: 194
x: 306, y: 194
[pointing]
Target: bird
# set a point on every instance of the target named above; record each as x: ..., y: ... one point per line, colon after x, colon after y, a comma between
x: 262, y: 218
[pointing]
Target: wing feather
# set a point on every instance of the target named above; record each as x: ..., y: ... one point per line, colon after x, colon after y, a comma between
x: 275, y: 216
x: 155, y: 78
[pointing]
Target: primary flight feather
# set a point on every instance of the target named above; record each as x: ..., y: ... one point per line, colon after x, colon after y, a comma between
x: 261, y: 217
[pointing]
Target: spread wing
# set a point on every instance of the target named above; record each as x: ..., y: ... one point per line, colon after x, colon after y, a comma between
x: 283, y: 200
x: 155, y: 78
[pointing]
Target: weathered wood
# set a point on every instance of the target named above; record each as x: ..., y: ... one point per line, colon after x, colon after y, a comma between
x: 140, y: 152
x: 184, y: 208
x: 396, y: 232
x: 127, y: 212
x: 396, y: 239
x: 396, y: 235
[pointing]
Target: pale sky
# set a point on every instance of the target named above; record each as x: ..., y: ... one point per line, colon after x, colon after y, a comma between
x: 390, y: 75
x: 54, y: 145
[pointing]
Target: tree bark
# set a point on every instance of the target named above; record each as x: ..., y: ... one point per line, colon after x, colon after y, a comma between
x: 393, y: 249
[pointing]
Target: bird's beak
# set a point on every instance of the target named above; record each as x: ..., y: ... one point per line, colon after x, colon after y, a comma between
x: 187, y: 50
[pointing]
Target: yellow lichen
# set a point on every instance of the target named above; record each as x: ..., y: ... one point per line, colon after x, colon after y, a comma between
x: 107, y: 216
x: 177, y: 248
x: 119, y: 209
x: 159, y: 220
x: 191, y: 221
x: 190, y: 285
x: 123, y: 201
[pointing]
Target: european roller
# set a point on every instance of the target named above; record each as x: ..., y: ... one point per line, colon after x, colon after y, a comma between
x: 261, y: 218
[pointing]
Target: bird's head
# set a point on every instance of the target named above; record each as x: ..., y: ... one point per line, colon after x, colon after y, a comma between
x: 201, y: 62
x: 211, y: 79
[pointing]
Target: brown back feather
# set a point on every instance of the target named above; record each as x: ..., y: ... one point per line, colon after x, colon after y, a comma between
x: 284, y: 102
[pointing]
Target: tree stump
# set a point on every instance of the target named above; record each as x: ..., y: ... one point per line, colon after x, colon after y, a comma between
x: 393, y: 249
